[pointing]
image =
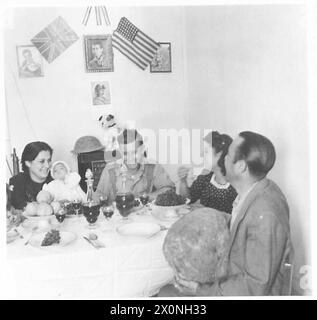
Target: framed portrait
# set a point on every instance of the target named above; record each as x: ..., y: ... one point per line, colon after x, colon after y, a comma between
x: 162, y: 61
x: 30, y: 62
x: 100, y: 93
x: 98, y: 53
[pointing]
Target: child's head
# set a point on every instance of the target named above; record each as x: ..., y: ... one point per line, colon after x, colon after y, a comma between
x: 59, y: 170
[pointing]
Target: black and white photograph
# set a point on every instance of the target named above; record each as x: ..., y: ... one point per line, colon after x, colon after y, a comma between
x: 194, y: 184
x: 98, y: 53
x: 30, y: 63
x: 162, y: 61
x: 100, y: 92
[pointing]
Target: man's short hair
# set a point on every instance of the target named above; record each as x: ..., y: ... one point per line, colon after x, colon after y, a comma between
x: 258, y: 152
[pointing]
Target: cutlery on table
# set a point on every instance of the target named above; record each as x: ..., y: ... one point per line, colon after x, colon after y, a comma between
x: 32, y: 233
x: 89, y: 241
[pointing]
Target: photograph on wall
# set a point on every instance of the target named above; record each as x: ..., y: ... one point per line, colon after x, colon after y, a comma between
x: 98, y: 53
x: 30, y: 62
x: 162, y: 61
x: 100, y: 93
x: 53, y: 40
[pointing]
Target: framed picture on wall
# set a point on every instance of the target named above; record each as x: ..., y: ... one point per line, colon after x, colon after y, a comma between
x: 100, y: 93
x: 98, y: 53
x: 30, y: 62
x: 162, y: 61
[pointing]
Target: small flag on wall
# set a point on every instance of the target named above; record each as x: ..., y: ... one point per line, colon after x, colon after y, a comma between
x: 134, y: 44
x: 54, y: 39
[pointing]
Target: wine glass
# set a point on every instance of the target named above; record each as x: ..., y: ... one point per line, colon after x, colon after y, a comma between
x: 107, y: 211
x: 91, y: 213
x: 144, y: 198
x: 60, y: 215
x: 125, y: 204
x: 77, y: 206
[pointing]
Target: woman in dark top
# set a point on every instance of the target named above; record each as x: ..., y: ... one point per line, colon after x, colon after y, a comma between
x: 36, y: 163
x: 211, y: 187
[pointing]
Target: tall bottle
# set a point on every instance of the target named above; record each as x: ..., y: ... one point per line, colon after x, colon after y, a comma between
x: 15, y: 161
x: 89, y: 181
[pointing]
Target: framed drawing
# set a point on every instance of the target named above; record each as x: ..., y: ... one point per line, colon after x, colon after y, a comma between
x: 30, y: 62
x: 98, y: 53
x: 100, y: 93
x: 162, y: 61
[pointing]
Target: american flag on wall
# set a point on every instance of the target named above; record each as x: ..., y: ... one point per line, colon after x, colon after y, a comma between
x: 134, y: 44
x: 54, y: 39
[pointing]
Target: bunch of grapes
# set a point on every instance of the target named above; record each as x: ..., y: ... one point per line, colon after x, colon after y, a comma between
x: 51, y: 237
x: 169, y: 198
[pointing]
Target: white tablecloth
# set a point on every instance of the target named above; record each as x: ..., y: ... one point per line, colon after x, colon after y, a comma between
x: 127, y: 267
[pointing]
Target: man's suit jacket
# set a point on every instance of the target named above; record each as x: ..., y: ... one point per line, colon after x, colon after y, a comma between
x: 259, y: 246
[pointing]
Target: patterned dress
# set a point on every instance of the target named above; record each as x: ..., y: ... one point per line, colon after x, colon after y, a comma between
x: 211, y: 194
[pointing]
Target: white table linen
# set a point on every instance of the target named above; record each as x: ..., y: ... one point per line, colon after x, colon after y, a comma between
x: 127, y: 267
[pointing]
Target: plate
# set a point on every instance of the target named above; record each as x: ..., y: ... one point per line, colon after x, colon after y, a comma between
x: 66, y: 239
x: 139, y: 229
x: 154, y: 206
x: 165, y: 214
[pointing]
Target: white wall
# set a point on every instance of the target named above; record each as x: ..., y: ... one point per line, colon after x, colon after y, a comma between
x: 247, y: 71
x: 234, y: 68
x: 59, y: 104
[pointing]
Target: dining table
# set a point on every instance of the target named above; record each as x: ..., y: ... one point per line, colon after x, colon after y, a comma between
x: 126, y: 266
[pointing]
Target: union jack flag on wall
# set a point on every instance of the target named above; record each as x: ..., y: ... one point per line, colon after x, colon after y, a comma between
x: 54, y: 39
x: 134, y: 44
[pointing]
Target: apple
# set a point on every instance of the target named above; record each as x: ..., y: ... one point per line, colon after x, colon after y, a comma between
x: 31, y: 208
x: 44, y: 209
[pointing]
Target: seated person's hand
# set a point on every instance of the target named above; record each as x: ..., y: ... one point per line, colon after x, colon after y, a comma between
x: 185, y: 286
x: 183, y: 172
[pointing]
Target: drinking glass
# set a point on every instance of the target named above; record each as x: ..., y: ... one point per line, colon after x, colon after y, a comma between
x: 107, y: 211
x: 91, y: 213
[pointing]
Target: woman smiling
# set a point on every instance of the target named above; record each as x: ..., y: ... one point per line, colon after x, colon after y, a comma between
x: 36, y: 164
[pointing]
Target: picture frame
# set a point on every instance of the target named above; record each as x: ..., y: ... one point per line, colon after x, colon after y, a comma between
x: 30, y: 62
x: 162, y: 60
x: 98, y: 53
x: 100, y: 93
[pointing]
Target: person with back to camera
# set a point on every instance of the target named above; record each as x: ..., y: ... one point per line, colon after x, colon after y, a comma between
x: 211, y: 187
x: 36, y: 163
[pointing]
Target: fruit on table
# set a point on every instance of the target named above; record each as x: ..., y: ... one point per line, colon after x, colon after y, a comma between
x: 44, y: 196
x: 51, y: 237
x: 44, y: 209
x: 56, y: 206
x: 31, y: 208
x: 195, y: 244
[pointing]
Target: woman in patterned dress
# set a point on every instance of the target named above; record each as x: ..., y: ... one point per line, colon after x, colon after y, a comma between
x: 211, y: 186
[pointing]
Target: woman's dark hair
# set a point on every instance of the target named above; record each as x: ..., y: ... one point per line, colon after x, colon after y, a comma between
x: 31, y: 151
x: 258, y: 152
x: 221, y: 143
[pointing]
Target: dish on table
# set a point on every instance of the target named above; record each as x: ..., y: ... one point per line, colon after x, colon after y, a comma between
x: 139, y: 229
x: 52, y: 238
x: 168, y: 214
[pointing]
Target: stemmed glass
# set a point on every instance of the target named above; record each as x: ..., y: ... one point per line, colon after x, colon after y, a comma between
x: 77, y: 207
x: 91, y: 213
x: 60, y: 215
x: 125, y: 204
x: 144, y: 198
x: 107, y: 211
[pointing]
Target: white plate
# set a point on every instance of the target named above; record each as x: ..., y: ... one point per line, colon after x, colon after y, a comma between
x: 66, y: 238
x: 139, y: 229
x: 154, y: 206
